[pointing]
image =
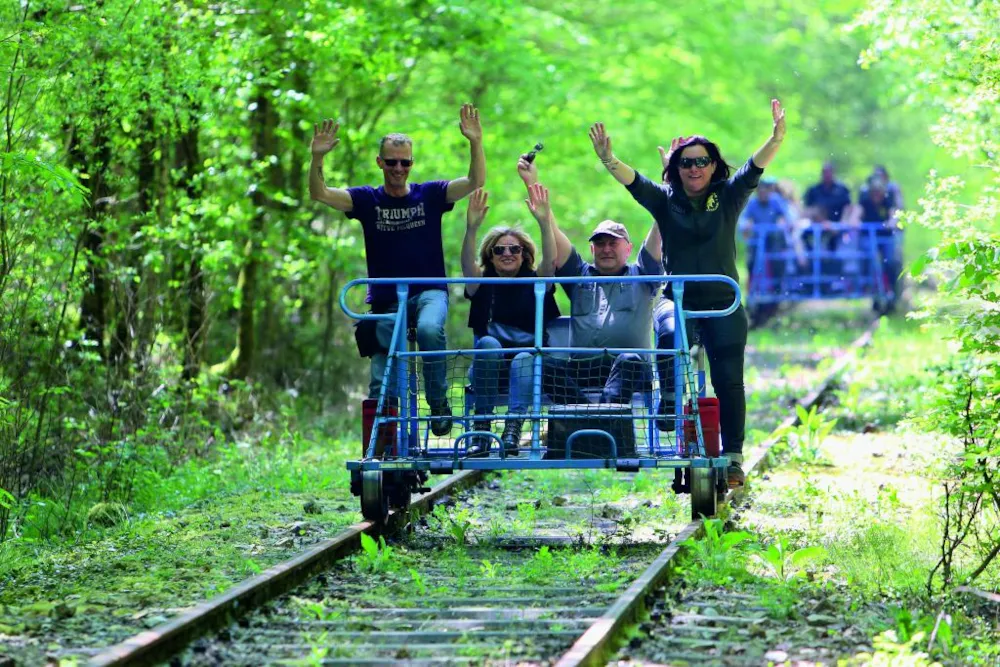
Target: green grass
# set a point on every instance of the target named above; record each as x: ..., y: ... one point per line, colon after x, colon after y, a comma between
x: 888, y: 383
x: 194, y: 530
x: 188, y: 536
x: 875, y: 510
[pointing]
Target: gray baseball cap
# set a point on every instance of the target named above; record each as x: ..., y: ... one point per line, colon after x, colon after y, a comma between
x: 611, y: 228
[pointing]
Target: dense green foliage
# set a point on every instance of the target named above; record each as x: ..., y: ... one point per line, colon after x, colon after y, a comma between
x: 945, y: 56
x: 165, y: 283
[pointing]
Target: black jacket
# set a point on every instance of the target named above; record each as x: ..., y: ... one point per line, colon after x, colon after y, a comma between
x: 699, y: 241
x: 513, y: 305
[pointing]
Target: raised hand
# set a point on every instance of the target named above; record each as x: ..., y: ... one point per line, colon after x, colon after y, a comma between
x: 674, y: 145
x: 528, y: 171
x: 325, y: 137
x: 477, y: 209
x: 538, y: 203
x: 601, y: 141
x: 778, y: 114
x: 469, y: 123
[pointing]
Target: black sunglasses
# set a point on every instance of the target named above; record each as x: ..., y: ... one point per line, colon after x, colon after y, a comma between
x: 499, y: 250
x: 392, y: 162
x: 701, y: 162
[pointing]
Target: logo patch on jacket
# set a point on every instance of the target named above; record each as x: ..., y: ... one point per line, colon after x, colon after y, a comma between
x: 712, y: 203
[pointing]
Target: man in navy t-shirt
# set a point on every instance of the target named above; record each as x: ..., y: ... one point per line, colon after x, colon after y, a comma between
x: 828, y: 201
x: 403, y: 239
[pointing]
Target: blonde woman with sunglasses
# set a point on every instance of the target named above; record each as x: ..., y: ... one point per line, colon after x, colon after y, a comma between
x: 502, y: 316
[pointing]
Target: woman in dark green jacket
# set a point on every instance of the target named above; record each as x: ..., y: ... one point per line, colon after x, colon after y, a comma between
x: 696, y: 208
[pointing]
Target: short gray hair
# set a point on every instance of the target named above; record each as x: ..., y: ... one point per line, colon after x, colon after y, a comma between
x: 396, y: 139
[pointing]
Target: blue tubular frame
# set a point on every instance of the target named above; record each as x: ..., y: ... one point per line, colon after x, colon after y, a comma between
x: 536, y: 376
x: 444, y: 460
x: 814, y: 284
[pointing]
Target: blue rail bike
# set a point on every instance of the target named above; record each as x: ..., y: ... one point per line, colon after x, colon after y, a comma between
x: 822, y: 262
x: 570, y: 427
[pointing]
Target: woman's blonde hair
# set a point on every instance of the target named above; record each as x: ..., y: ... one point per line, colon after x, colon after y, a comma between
x: 493, y: 237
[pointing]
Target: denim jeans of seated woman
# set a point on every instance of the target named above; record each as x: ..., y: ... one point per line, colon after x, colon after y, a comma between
x: 488, y: 371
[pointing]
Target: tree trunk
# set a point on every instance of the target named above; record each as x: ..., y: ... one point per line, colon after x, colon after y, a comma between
x: 194, y: 321
x: 328, y: 315
x: 150, y: 316
x: 94, y: 163
x: 265, y: 144
x: 247, y: 286
x: 128, y: 307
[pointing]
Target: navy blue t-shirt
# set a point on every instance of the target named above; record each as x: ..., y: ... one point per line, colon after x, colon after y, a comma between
x: 402, y: 234
x: 832, y: 201
x: 872, y: 211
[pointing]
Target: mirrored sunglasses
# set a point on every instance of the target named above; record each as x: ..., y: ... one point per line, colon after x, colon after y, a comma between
x: 499, y: 250
x: 701, y: 162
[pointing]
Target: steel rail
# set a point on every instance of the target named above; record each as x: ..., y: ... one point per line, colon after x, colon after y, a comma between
x: 168, y: 638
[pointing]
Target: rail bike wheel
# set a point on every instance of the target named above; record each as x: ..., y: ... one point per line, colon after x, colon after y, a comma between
x: 374, y: 500
x: 704, y: 500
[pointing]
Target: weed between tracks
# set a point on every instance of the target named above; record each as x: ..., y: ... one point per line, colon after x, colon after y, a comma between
x: 407, y: 586
x: 204, y: 529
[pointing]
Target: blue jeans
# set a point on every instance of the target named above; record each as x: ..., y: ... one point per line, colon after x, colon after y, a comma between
x: 562, y: 379
x: 485, y: 375
x: 725, y: 342
x: 430, y: 308
x: 489, y: 370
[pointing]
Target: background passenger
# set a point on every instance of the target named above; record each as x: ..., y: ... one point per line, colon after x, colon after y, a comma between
x: 828, y: 201
x: 878, y: 205
x: 765, y: 223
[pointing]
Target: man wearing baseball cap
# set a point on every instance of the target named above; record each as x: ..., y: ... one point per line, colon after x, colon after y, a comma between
x: 606, y: 315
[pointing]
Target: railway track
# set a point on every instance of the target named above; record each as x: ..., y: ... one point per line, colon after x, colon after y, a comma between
x: 538, y: 605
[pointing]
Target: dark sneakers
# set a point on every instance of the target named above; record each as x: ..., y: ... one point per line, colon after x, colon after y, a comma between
x: 479, y: 445
x: 666, y: 424
x: 512, y: 436
x: 735, y: 475
x: 441, y: 419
